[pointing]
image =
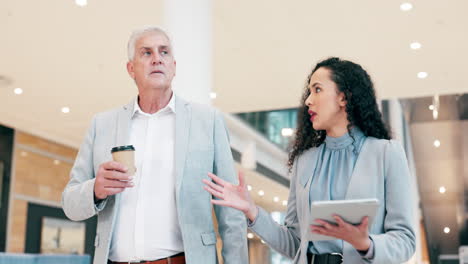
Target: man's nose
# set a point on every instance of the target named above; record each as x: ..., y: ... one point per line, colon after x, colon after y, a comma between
x: 156, y: 59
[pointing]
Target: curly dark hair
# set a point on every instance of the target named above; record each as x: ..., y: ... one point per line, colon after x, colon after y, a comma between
x: 361, y: 107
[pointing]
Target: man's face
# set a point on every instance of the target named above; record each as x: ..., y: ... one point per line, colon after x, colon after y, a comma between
x: 153, y: 66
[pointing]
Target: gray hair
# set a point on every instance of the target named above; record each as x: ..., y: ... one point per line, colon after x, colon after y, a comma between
x: 137, y: 33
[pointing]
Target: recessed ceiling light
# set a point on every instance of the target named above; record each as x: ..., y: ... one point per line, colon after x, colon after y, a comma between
x: 81, y: 2
x: 250, y: 235
x: 276, y: 199
x: 446, y: 230
x: 431, y: 107
x: 18, y: 91
x: 287, y: 132
x: 285, y: 202
x: 24, y: 154
x: 56, y: 162
x: 442, y: 189
x: 436, y: 143
x: 415, y: 45
x: 406, y: 7
x: 213, y: 95
x: 249, y: 187
x: 263, y: 242
x: 261, y: 193
x: 422, y: 75
x: 65, y: 110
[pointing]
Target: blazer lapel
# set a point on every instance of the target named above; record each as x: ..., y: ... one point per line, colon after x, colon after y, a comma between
x: 307, y: 164
x: 182, y: 133
x: 122, y: 135
x: 123, y: 124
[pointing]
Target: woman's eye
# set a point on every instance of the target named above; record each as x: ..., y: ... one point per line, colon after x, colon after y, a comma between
x: 318, y: 90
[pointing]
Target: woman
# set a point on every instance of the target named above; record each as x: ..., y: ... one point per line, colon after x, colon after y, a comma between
x: 342, y: 151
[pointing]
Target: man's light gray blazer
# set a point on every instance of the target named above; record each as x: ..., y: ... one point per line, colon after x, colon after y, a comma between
x: 201, y: 146
x: 381, y: 172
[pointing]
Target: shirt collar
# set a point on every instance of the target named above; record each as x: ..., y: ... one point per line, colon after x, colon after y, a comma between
x: 169, y: 108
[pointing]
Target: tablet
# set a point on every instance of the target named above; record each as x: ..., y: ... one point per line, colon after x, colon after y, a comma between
x: 352, y: 211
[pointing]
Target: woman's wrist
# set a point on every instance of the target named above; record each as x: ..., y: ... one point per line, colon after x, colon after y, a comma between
x: 252, y: 213
x: 363, y: 245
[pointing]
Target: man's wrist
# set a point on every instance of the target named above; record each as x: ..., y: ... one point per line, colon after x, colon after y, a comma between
x: 97, y: 199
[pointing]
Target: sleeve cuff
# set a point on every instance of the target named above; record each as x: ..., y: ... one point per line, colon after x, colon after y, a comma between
x: 369, y: 254
x: 99, y: 205
x: 252, y: 223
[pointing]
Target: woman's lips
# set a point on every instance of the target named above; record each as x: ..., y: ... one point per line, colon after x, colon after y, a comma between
x: 313, y: 115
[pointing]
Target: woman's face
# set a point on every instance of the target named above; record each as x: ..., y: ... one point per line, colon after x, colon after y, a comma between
x: 326, y: 103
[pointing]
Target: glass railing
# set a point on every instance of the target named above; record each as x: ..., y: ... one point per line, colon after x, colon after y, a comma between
x: 11, y: 258
x: 277, y: 126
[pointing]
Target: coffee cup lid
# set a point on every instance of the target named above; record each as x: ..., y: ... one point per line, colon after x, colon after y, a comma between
x: 122, y: 148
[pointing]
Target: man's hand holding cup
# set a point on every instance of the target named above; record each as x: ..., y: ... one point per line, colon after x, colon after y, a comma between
x: 115, y: 176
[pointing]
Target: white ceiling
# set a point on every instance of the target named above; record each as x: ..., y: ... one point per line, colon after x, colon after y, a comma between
x: 65, y: 55
x: 265, y: 49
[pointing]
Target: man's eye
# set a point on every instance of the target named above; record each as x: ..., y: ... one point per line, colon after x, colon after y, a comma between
x: 318, y: 90
x: 147, y: 53
x: 165, y: 52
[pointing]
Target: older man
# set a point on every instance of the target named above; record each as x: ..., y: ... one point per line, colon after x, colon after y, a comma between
x: 161, y: 214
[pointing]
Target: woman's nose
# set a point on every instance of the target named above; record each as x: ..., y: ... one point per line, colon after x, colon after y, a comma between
x: 309, y: 101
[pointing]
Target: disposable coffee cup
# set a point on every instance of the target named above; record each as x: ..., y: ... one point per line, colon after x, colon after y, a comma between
x: 126, y: 156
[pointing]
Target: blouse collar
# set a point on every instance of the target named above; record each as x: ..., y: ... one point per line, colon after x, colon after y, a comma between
x: 345, y: 140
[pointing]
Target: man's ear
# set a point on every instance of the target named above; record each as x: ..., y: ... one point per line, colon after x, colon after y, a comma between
x: 130, y: 69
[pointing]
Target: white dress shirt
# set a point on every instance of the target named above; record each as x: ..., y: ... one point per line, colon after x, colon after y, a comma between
x: 147, y: 226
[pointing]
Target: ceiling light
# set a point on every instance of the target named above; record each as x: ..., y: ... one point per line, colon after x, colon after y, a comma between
x: 249, y: 187
x: 287, y: 132
x: 442, y: 189
x: 56, y: 162
x: 24, y: 154
x: 261, y: 193
x: 446, y: 230
x: 263, y: 242
x: 431, y: 107
x: 415, y: 45
x: 81, y: 2
x: 276, y: 199
x: 285, y: 202
x: 422, y: 75
x: 213, y: 95
x: 436, y: 143
x: 406, y: 7
x: 65, y: 110
x: 18, y: 91
x: 250, y: 235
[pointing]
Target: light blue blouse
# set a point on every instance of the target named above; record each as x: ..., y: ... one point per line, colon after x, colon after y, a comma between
x: 331, y: 177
